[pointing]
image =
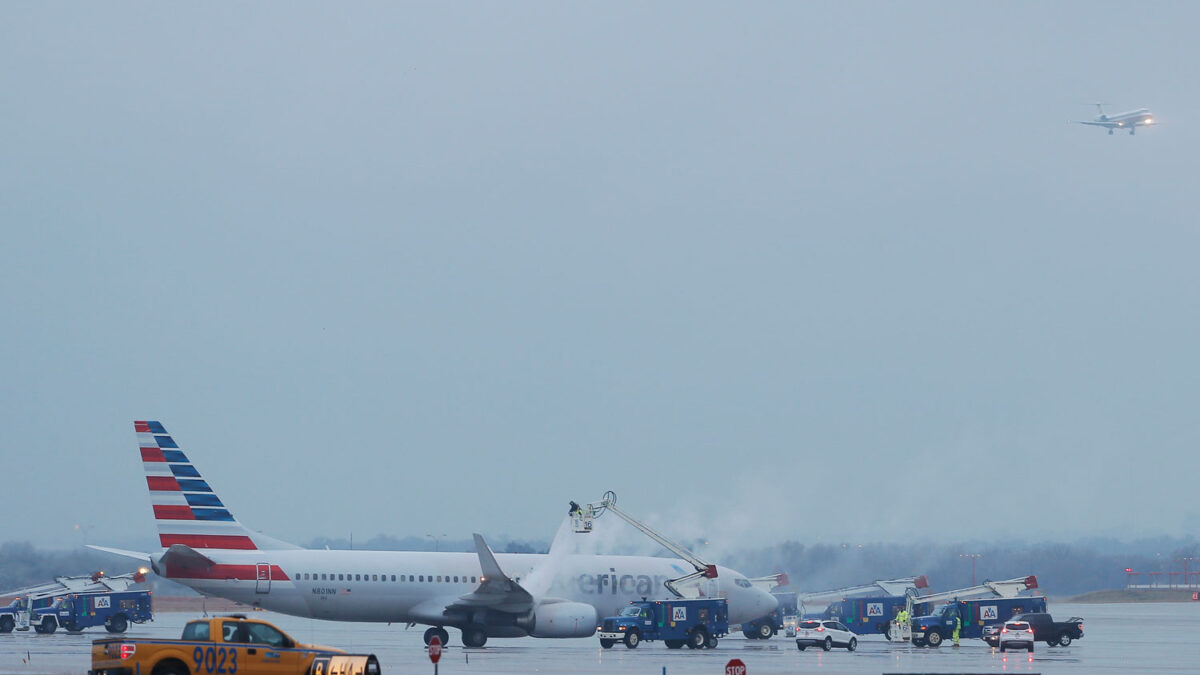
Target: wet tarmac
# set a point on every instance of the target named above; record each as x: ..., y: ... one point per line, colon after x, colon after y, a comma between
x: 1118, y: 638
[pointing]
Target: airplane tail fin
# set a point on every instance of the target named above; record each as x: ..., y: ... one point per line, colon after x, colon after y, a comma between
x: 1100, y: 111
x: 186, y: 509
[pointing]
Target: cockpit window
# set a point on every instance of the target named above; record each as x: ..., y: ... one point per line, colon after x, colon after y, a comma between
x: 744, y: 583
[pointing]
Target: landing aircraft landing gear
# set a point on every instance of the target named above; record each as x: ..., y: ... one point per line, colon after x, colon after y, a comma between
x: 474, y: 636
x: 440, y: 632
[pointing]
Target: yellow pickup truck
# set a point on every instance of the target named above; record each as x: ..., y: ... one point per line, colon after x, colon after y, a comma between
x: 226, y: 645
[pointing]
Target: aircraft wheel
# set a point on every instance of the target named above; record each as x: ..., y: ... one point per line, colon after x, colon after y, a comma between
x: 474, y: 636
x: 439, y: 632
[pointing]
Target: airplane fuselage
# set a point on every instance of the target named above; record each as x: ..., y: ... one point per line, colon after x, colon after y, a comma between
x: 408, y: 586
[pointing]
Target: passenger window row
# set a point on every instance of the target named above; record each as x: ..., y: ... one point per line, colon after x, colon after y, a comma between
x: 420, y: 578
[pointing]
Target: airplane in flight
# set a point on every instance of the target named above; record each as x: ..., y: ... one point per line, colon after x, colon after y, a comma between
x: 480, y: 593
x: 1142, y: 117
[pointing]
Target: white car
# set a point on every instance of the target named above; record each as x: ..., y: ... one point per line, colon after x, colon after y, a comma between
x: 825, y: 634
x: 1016, y: 634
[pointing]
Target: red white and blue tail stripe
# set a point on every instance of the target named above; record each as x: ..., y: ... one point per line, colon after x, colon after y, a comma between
x: 186, y: 509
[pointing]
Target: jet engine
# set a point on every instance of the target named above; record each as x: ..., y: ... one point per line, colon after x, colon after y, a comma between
x: 560, y: 619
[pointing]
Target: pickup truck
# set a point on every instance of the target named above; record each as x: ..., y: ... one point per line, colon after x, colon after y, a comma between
x: 227, y: 645
x: 1046, y: 629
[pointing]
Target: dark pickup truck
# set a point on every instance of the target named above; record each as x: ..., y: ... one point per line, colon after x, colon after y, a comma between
x: 1045, y: 629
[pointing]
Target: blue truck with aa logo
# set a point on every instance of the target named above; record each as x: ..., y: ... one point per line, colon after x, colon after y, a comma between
x: 695, y: 623
x: 936, y: 628
x: 77, y: 611
x: 868, y: 616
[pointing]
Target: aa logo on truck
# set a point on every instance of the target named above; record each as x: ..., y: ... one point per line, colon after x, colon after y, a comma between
x: 103, y: 602
x: 988, y: 613
x: 874, y: 609
x: 679, y: 613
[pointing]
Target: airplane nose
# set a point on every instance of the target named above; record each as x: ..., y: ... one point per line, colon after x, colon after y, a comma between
x: 764, y: 603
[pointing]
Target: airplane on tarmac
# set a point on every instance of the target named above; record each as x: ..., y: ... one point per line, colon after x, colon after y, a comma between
x: 1142, y: 117
x: 480, y: 593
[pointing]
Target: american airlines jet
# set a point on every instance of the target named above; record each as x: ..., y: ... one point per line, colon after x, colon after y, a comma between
x: 1142, y: 117
x: 481, y: 593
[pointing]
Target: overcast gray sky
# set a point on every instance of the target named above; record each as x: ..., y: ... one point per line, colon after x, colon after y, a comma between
x: 439, y: 268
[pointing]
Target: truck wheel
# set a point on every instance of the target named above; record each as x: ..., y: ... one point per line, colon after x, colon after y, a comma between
x: 632, y: 639
x: 49, y: 625
x: 827, y: 644
x: 887, y: 632
x: 674, y: 644
x: 696, y: 639
x: 852, y: 645
x: 801, y: 647
x: 1064, y: 640
x: 935, y: 638
x: 606, y: 643
x: 711, y: 642
x: 171, y: 667
x: 750, y: 635
x: 765, y: 631
x: 6, y: 624
x: 918, y: 642
x: 117, y: 624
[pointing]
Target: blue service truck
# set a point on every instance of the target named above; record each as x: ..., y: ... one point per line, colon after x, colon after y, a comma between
x: 763, y: 628
x: 77, y: 611
x: 695, y: 623
x: 936, y: 628
x: 16, y: 614
x: 868, y: 616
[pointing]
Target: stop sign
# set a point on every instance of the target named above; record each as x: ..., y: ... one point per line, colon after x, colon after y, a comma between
x: 435, y: 650
x: 735, y: 667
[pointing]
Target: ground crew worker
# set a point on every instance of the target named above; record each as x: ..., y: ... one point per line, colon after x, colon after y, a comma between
x: 957, y: 628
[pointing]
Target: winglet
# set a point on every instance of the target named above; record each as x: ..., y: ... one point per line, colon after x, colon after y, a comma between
x: 487, y: 560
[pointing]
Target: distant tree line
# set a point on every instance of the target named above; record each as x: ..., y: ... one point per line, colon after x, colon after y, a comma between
x: 1061, y: 568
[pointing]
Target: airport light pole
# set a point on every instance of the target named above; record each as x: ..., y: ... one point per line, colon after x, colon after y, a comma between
x: 436, y: 540
x: 973, y: 557
x: 1186, y: 560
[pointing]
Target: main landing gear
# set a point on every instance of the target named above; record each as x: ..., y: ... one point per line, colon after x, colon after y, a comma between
x: 440, y: 632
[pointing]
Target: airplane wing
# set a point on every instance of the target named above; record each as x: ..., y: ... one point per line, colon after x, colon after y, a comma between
x: 496, y: 591
x: 1109, y: 125
x: 136, y: 555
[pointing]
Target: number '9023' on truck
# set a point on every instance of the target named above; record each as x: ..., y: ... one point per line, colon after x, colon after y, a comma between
x: 229, y: 645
